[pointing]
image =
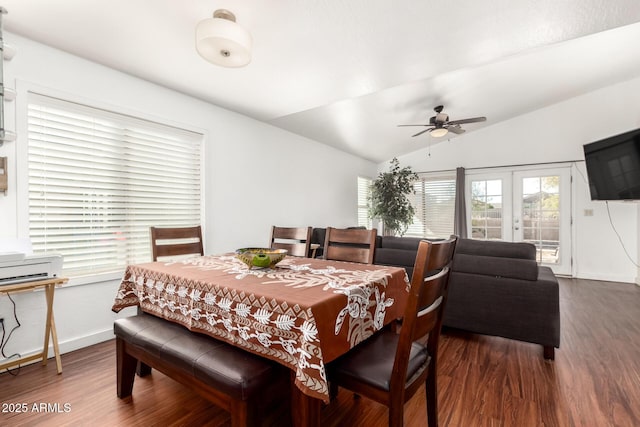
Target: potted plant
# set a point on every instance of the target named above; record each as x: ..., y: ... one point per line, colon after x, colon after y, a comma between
x: 388, y: 200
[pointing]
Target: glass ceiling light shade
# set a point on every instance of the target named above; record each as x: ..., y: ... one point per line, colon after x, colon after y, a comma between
x: 438, y: 132
x: 221, y: 41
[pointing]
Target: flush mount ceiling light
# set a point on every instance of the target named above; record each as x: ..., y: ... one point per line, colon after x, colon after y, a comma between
x: 438, y: 132
x: 221, y: 41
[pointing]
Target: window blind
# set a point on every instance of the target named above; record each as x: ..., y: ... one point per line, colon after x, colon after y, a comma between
x: 98, y: 180
x: 434, y: 205
x: 364, y: 191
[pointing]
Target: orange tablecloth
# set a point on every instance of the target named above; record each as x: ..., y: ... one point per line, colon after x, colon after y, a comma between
x: 303, y: 314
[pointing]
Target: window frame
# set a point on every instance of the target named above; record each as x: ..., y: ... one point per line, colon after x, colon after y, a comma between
x: 23, y: 90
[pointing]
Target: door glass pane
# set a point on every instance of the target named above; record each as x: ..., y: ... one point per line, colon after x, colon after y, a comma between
x: 486, y: 209
x: 540, y: 216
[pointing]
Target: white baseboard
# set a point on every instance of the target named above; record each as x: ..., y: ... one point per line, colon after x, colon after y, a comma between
x: 85, y: 341
x: 607, y: 278
x: 73, y: 344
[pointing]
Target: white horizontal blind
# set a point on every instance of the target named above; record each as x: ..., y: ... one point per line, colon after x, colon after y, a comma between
x: 98, y: 180
x: 434, y: 205
x: 364, y: 190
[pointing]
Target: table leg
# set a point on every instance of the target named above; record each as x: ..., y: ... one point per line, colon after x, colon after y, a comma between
x: 50, y: 330
x: 305, y: 410
x: 47, y: 326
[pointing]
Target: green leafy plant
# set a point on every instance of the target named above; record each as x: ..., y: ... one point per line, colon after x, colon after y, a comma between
x: 388, y: 200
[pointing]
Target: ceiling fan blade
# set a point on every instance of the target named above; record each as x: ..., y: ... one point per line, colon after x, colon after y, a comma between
x: 463, y: 121
x: 412, y: 125
x: 456, y: 129
x: 421, y: 132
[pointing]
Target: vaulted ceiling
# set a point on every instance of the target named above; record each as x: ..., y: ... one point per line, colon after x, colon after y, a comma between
x: 347, y: 72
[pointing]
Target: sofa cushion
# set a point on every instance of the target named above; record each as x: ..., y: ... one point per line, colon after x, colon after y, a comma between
x: 404, y: 243
x: 395, y: 258
x: 512, y: 268
x: 496, y: 248
x: 397, y: 252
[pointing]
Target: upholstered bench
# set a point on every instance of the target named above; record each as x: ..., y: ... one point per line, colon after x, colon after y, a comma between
x: 231, y: 378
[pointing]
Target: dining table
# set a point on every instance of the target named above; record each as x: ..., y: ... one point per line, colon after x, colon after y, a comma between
x: 302, y: 313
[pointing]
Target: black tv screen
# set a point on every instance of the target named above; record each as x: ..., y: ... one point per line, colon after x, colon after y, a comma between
x: 613, y: 167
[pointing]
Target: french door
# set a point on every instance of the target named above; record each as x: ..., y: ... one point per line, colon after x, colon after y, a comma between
x: 524, y: 206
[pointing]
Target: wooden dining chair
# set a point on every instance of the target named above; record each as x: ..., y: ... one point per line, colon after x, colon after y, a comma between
x: 390, y: 367
x: 296, y: 240
x: 350, y: 244
x: 171, y: 242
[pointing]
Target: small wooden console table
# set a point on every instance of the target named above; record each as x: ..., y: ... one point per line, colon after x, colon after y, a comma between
x: 49, y: 286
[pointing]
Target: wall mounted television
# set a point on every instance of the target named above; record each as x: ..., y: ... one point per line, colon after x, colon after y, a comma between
x: 613, y: 167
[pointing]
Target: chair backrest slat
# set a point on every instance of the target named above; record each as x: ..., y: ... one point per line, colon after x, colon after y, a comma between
x: 352, y: 245
x: 174, y: 241
x: 441, y: 253
x: 430, y: 302
x: 295, y: 240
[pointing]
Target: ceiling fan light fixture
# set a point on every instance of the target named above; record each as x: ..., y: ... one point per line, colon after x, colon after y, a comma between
x: 439, y: 132
x: 440, y: 125
x: 221, y: 41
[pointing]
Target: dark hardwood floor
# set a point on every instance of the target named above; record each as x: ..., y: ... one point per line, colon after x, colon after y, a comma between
x: 483, y: 381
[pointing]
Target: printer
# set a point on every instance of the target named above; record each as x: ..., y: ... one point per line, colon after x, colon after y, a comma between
x: 16, y: 267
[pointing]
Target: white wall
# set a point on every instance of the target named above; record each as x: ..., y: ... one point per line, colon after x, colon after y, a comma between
x: 255, y: 175
x: 555, y: 134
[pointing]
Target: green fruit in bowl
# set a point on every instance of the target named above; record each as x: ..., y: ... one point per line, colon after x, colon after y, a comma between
x: 260, y: 257
x: 261, y: 260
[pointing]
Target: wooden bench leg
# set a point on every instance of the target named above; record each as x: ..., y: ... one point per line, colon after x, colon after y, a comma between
x: 333, y: 391
x: 240, y: 416
x: 142, y: 369
x: 126, y: 370
x: 549, y: 352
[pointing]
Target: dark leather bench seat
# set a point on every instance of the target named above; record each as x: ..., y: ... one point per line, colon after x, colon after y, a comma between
x: 235, y: 380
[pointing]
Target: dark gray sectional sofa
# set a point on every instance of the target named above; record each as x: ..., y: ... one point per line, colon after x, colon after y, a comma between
x: 496, y: 288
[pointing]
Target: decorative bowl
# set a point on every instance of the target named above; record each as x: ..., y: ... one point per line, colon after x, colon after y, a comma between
x: 261, y: 257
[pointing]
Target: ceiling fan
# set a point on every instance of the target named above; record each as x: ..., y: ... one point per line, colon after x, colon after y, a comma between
x: 439, y: 125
